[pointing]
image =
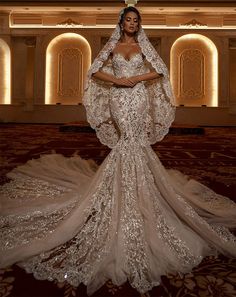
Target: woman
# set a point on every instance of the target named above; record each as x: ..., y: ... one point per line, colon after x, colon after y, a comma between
x: 131, y: 220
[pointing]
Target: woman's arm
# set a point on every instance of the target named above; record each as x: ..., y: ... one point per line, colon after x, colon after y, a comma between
x: 145, y: 77
x: 119, y: 82
x: 104, y: 76
x: 130, y: 81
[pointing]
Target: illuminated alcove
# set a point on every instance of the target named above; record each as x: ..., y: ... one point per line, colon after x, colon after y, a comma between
x: 68, y: 58
x: 5, y: 73
x: 194, y: 71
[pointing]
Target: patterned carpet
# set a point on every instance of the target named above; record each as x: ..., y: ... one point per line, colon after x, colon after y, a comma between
x: 209, y: 157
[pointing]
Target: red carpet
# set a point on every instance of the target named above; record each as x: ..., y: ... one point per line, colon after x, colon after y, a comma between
x: 209, y: 158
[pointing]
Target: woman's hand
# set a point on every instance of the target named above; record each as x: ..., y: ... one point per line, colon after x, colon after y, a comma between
x: 124, y: 82
x: 135, y: 79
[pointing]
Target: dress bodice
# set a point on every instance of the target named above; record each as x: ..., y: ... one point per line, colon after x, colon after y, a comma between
x: 126, y: 68
x: 129, y: 106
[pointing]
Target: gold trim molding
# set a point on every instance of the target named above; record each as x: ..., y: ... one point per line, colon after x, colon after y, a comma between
x: 193, y: 23
x: 69, y: 23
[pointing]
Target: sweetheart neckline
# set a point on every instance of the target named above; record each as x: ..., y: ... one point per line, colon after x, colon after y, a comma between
x: 134, y: 55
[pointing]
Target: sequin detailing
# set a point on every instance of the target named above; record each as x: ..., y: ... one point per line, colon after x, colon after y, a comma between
x: 22, y: 186
x: 17, y: 230
x: 98, y: 95
x: 131, y: 220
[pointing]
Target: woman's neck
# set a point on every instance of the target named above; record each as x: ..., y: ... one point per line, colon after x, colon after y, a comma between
x: 127, y: 39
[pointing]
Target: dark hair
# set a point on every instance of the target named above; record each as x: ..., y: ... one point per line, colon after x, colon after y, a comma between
x: 125, y: 11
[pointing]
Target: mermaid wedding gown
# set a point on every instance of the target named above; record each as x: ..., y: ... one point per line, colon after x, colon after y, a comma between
x: 130, y: 219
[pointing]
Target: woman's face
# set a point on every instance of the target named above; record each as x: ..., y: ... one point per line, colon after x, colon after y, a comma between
x: 130, y: 24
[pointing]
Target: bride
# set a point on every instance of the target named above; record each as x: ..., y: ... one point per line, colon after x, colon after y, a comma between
x: 130, y: 219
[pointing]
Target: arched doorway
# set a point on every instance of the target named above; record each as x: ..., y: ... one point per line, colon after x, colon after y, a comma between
x: 194, y: 71
x: 68, y: 58
x: 5, y: 73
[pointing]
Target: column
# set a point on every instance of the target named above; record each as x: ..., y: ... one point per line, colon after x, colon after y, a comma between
x: 29, y: 82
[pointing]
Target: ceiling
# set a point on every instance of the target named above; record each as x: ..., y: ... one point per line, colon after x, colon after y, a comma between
x: 106, y: 11
x: 113, y: 4
x: 119, y: 2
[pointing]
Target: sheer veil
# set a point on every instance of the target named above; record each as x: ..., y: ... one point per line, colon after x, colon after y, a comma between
x: 97, y: 94
x: 129, y: 219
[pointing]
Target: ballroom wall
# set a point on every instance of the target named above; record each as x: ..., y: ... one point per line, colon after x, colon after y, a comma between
x: 192, y: 82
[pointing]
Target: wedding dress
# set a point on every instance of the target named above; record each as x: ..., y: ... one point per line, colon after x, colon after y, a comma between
x: 130, y: 219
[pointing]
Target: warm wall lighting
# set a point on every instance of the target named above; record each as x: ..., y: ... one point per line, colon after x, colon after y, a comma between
x: 112, y: 26
x: 187, y: 41
x: 52, y: 53
x: 48, y: 79
x: 5, y: 73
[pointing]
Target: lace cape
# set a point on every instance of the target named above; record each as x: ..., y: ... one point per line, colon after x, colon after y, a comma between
x: 97, y: 94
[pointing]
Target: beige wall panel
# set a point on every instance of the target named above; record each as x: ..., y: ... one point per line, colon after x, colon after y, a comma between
x: 5, y: 75
x: 68, y: 59
x: 192, y: 71
x: 232, y: 71
x: 19, y: 69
